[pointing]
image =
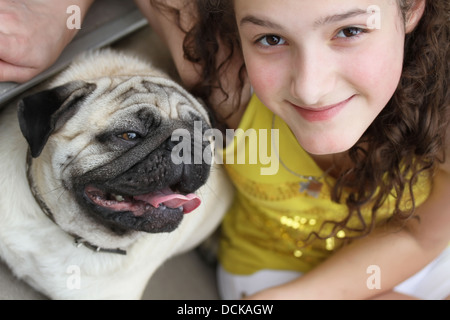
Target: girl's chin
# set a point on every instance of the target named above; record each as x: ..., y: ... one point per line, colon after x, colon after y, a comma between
x: 325, y: 151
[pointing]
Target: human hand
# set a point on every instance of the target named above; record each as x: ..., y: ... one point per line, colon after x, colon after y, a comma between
x: 33, y: 33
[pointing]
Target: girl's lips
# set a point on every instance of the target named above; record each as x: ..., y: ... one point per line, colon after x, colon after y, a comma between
x: 321, y: 113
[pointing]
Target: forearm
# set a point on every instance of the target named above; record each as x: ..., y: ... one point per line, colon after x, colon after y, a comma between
x: 396, y: 256
x: 348, y: 273
x: 172, y: 32
x: 164, y: 24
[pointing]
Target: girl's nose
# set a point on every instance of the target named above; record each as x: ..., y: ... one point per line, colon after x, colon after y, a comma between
x: 312, y: 76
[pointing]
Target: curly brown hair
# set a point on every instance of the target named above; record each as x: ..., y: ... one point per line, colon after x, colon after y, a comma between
x: 405, y: 140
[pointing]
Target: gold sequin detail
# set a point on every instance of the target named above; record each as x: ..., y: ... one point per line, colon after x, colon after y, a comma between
x: 330, y: 244
x: 270, y: 191
x: 341, y: 234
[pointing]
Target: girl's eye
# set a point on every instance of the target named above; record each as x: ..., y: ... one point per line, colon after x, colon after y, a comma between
x: 271, y: 40
x: 129, y: 136
x: 350, y: 32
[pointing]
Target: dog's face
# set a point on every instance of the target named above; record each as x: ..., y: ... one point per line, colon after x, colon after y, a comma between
x: 103, y: 154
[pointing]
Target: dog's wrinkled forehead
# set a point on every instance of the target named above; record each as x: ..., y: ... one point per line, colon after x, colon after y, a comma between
x: 153, y: 107
x: 166, y: 97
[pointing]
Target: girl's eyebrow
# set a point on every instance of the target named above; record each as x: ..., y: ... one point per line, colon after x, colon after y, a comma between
x: 251, y: 19
x: 339, y: 17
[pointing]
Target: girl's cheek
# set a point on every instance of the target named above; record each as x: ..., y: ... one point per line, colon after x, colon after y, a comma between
x: 377, y: 71
x: 264, y: 78
x: 265, y: 70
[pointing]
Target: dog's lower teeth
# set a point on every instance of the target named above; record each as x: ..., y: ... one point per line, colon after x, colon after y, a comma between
x: 162, y: 207
x: 119, y: 198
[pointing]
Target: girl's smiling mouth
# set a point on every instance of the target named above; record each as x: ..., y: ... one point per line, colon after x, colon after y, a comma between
x: 314, y: 114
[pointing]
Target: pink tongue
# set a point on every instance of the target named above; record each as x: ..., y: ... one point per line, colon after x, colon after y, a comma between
x: 166, y: 197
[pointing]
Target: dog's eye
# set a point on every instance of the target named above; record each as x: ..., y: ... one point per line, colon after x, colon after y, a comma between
x: 129, y: 136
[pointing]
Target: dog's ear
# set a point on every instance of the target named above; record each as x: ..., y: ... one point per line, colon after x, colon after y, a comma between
x: 42, y: 113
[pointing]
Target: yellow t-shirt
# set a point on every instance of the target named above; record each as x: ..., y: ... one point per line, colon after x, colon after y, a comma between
x: 271, y: 216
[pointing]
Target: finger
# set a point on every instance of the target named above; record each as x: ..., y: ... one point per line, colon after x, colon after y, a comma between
x: 9, y: 72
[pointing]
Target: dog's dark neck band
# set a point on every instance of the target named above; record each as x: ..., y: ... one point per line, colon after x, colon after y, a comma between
x: 77, y: 240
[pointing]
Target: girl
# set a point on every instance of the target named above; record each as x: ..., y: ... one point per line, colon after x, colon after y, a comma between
x: 359, y: 94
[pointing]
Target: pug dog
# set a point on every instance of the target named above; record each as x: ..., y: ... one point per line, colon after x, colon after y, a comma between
x: 91, y: 199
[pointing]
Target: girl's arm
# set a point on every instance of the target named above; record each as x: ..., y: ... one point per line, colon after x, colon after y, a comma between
x: 398, y: 255
x: 164, y: 24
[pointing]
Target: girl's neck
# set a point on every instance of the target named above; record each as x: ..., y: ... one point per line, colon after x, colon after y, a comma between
x: 334, y: 163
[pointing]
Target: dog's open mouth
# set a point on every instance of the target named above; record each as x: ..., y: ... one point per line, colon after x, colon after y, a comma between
x: 138, y: 205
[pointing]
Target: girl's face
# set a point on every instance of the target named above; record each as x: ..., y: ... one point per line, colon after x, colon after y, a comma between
x: 326, y: 67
